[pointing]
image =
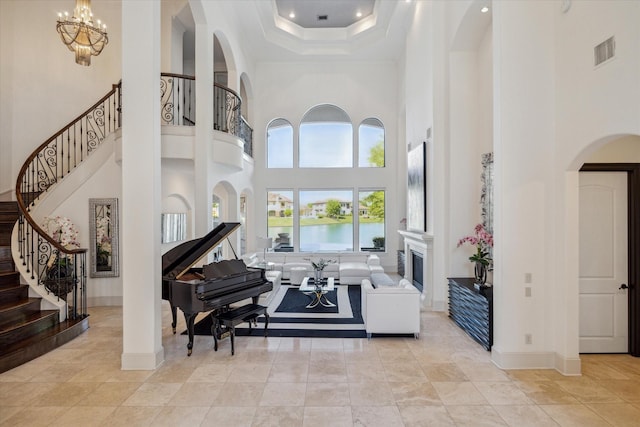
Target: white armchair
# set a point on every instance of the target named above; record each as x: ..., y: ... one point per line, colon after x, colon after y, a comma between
x: 390, y: 310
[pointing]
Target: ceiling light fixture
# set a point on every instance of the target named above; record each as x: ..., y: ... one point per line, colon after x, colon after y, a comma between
x: 359, y: 14
x: 484, y: 9
x: 292, y: 15
x: 80, y: 34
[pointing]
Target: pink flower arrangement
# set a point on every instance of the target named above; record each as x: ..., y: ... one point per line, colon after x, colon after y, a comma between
x: 482, y: 240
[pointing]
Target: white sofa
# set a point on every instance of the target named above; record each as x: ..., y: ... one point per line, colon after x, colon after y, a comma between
x: 348, y: 268
x: 391, y: 309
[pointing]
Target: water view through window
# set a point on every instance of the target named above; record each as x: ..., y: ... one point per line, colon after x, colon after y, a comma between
x: 326, y: 219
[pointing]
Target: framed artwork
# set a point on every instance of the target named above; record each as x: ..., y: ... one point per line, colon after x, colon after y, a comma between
x: 417, y: 188
x: 103, y: 237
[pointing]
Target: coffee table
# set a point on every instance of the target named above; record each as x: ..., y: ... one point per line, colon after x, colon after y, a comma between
x: 317, y: 292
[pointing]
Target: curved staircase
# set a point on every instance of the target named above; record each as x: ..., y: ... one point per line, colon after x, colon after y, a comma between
x: 26, y: 331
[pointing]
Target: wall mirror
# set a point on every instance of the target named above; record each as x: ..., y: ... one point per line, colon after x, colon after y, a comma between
x: 103, y: 234
x: 174, y: 227
x: 486, y: 195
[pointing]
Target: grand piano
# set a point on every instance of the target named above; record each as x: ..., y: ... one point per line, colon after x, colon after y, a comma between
x: 211, y: 287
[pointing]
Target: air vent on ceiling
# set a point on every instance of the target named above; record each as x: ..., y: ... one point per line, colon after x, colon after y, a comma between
x: 604, y: 51
x: 323, y: 17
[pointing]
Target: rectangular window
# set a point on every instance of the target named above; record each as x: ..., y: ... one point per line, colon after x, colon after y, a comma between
x: 371, y: 223
x: 326, y: 220
x: 280, y: 219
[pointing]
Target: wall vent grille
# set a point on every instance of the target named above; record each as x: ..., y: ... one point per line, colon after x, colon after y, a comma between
x: 604, y: 51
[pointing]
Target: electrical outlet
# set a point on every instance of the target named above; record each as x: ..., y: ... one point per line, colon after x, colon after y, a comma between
x: 527, y: 291
x: 528, y: 278
x: 528, y: 339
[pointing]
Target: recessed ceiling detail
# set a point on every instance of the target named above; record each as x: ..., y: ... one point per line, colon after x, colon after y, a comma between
x: 325, y: 13
x: 343, y: 32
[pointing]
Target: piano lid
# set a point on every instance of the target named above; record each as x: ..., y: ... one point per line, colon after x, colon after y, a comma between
x: 180, y: 259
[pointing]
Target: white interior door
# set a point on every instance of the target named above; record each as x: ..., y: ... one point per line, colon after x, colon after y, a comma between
x: 604, y: 325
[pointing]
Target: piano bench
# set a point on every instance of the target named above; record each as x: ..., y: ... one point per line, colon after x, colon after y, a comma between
x: 246, y: 313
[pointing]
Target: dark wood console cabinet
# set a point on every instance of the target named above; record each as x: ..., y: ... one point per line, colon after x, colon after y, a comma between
x: 472, y: 310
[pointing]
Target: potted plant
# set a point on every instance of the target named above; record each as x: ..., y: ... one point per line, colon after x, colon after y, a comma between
x: 59, y: 276
x: 378, y: 242
x: 482, y: 240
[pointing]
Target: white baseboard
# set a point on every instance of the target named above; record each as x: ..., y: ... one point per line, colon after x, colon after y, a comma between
x: 568, y: 366
x: 105, y: 301
x: 142, y: 361
x: 535, y: 360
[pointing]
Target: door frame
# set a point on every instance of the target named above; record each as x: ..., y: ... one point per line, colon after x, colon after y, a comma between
x: 633, y: 198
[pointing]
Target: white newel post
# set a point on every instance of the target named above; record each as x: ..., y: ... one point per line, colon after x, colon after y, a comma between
x: 141, y: 176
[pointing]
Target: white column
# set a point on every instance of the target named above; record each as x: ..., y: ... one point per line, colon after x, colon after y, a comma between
x: 203, y: 149
x: 141, y: 175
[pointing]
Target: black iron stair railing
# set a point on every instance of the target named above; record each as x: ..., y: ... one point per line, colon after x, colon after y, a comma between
x: 178, y: 107
x: 62, y: 271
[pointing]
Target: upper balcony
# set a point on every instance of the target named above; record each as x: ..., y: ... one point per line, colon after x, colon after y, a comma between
x: 178, y: 108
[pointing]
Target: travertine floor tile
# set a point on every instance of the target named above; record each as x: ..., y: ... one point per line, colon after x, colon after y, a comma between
x: 184, y: 416
x: 371, y: 394
x: 240, y: 394
x: 502, y: 393
x: 109, y: 394
x: 327, y: 394
x: 283, y: 394
x: 294, y: 372
x: 229, y: 416
x: 456, y: 393
x: 574, y: 415
x: 426, y: 416
x: 383, y: 416
x: 475, y: 416
x: 35, y: 416
x: 618, y: 414
x: 152, y: 394
x: 443, y: 372
x: 318, y: 416
x: 127, y: 416
x: 415, y: 394
x: 278, y: 416
x: 196, y: 394
x: 84, y: 416
x: 524, y: 416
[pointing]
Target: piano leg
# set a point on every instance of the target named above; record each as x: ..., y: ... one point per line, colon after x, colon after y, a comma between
x: 174, y: 314
x: 190, y: 319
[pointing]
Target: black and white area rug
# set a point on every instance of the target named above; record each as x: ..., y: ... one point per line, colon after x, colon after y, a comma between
x: 289, y: 317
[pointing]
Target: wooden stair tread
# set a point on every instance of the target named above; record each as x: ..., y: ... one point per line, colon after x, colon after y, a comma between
x: 17, y: 305
x: 22, y: 351
x: 28, y: 320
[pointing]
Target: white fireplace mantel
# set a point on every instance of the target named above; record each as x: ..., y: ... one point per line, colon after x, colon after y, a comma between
x: 422, y: 244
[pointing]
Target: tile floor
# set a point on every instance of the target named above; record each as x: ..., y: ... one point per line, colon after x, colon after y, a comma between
x: 442, y: 379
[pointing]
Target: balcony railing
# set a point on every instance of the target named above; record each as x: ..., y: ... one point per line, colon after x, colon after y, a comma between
x: 179, y: 108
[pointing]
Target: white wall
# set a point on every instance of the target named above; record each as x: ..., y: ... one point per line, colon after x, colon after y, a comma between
x: 40, y: 82
x: 623, y: 150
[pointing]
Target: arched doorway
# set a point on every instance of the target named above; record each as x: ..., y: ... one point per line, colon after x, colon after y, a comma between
x: 609, y: 301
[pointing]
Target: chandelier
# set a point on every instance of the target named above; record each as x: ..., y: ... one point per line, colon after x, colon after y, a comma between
x: 80, y: 34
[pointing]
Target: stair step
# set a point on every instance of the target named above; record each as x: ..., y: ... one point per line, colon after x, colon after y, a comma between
x: 32, y: 325
x: 16, y: 312
x: 9, y: 279
x: 22, y: 351
x: 13, y: 294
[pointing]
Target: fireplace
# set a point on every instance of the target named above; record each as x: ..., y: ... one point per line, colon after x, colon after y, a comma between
x: 417, y: 266
x: 418, y: 248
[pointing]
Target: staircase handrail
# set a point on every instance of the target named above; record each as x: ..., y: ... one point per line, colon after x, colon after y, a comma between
x: 42, y: 147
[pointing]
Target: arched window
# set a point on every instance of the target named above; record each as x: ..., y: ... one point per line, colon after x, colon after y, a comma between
x: 371, y: 144
x: 326, y: 138
x: 279, y: 144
